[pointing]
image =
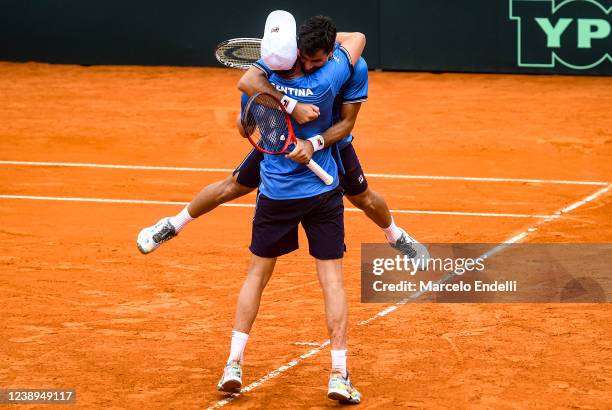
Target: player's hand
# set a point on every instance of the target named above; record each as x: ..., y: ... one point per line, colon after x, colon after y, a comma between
x: 303, y: 113
x: 302, y: 153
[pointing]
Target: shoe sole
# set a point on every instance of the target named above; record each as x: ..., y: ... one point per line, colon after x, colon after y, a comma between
x: 340, y: 397
x: 337, y: 395
x: 230, y: 386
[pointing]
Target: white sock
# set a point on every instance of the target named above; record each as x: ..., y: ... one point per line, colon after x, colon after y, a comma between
x: 393, y: 233
x: 239, y: 341
x: 339, y: 361
x: 180, y: 220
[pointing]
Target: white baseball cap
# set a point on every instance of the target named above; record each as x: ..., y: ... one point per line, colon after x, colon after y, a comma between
x: 279, y: 43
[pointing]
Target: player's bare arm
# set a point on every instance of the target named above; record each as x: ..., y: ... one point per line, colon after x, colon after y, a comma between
x: 341, y: 129
x: 304, y: 149
x: 354, y: 43
x: 255, y: 81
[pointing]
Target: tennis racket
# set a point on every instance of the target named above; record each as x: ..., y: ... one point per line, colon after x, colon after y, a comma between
x: 238, y: 52
x: 268, y: 127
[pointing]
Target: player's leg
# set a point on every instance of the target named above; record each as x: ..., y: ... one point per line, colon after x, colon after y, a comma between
x: 243, y: 181
x: 375, y: 207
x: 215, y: 194
x: 247, y: 307
x: 250, y: 293
x: 324, y: 227
x: 336, y: 314
x: 274, y: 233
x: 329, y: 272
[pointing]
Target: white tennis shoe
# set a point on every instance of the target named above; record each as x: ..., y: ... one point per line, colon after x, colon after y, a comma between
x: 151, y: 237
x: 231, y: 381
x: 409, y: 246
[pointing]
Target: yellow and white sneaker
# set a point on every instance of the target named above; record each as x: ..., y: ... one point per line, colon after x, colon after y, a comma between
x: 231, y: 381
x: 341, y: 389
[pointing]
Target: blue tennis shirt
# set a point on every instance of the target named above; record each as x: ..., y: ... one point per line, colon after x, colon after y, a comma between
x: 355, y: 90
x: 283, y: 178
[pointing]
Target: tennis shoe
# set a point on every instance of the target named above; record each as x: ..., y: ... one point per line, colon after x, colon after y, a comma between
x: 340, y: 388
x: 152, y: 237
x: 231, y: 381
x: 409, y: 246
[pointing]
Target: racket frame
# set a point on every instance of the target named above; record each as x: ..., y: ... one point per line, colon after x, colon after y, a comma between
x: 236, y: 42
x: 291, y: 138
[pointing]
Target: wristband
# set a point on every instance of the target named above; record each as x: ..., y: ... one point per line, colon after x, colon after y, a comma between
x: 318, y: 143
x: 289, y: 103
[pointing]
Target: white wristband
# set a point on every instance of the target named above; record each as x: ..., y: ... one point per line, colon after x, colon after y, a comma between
x: 318, y: 143
x: 289, y: 103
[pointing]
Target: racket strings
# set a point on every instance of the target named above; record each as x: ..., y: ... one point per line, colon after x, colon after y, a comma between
x: 268, y: 123
x: 239, y: 53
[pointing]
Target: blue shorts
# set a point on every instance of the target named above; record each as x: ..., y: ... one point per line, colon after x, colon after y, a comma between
x: 275, y: 225
x: 353, y: 181
x: 248, y: 170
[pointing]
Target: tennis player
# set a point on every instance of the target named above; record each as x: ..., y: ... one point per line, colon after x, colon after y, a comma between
x: 346, y: 109
x: 290, y: 194
x: 246, y: 177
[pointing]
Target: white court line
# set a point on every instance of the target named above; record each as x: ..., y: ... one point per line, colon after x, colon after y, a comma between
x: 112, y: 166
x: 271, y: 375
x: 501, y: 247
x: 150, y: 202
x: 373, y: 175
x: 514, y: 239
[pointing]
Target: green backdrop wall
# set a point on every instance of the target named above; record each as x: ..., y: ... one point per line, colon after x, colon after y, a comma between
x: 517, y: 36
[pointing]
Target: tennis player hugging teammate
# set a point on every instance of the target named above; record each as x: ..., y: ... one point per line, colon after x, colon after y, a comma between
x: 290, y: 194
x: 323, y: 90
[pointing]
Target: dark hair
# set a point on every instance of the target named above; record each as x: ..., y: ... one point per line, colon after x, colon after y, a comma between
x: 317, y: 33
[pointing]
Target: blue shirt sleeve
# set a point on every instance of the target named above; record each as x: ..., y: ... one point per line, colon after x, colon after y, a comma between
x: 244, y: 99
x: 263, y: 67
x: 356, y: 88
x: 338, y: 69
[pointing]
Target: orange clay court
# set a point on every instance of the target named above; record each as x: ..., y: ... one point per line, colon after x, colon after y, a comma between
x: 83, y: 309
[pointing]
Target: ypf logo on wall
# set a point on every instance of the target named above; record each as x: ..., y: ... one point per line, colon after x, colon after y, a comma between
x: 574, y: 33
